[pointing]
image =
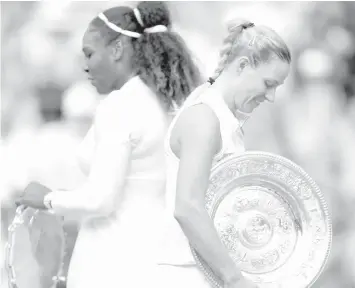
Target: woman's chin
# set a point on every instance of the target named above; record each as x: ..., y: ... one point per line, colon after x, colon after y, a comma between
x: 101, y: 90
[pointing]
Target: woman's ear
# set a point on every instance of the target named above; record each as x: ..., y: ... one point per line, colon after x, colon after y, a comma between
x: 117, y: 49
x: 242, y: 63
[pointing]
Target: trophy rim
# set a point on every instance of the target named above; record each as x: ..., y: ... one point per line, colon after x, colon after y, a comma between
x: 249, y: 155
x: 16, y: 222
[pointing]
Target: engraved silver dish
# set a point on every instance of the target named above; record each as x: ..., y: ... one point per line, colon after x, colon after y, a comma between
x: 35, y: 250
x: 273, y: 219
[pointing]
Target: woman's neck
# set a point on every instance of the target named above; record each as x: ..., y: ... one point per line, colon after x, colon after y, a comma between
x: 231, y: 99
x: 228, y: 96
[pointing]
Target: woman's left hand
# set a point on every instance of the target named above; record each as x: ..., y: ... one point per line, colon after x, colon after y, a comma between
x: 33, y: 196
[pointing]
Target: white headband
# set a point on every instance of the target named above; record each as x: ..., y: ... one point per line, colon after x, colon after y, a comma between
x: 118, y: 29
x: 154, y: 29
x: 138, y: 16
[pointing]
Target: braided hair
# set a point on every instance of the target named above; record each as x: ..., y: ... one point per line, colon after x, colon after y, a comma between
x: 258, y: 43
x: 162, y: 60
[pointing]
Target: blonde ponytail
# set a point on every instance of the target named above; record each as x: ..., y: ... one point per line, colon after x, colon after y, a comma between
x: 235, y: 28
x: 258, y: 44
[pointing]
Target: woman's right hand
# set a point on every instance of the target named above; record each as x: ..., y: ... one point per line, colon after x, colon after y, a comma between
x: 241, y: 283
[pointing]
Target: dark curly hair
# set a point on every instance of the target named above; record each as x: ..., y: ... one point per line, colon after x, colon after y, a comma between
x: 162, y: 59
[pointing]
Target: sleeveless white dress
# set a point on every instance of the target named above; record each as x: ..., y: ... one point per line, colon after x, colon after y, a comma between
x: 176, y: 259
x: 120, y: 250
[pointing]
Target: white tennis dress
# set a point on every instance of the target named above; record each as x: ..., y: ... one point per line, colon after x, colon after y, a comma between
x: 176, y: 258
x: 120, y: 250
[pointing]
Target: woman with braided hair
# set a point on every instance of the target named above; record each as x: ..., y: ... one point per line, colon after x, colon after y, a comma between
x: 254, y: 61
x: 146, y: 70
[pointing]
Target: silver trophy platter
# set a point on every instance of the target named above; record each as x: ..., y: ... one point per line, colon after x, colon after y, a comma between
x: 35, y: 250
x: 273, y: 219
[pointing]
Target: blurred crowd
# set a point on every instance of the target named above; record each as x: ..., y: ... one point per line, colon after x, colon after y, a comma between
x: 47, y: 105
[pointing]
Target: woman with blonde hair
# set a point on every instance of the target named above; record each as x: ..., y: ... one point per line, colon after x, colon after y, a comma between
x: 254, y: 61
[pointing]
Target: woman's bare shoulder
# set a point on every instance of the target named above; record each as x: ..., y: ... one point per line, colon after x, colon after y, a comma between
x: 198, y: 120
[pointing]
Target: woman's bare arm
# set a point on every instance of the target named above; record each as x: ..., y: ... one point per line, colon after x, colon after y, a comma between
x: 199, y: 142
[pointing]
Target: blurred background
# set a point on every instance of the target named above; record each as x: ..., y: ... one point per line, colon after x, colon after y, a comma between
x: 47, y: 104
